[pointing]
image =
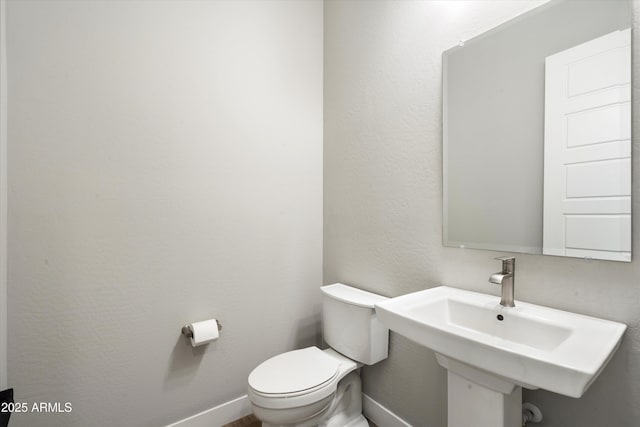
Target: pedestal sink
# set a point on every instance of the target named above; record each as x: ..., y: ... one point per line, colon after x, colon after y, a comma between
x: 491, y: 351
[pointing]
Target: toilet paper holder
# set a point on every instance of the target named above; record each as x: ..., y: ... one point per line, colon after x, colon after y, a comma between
x: 188, y: 332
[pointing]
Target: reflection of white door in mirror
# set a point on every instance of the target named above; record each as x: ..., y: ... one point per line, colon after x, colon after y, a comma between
x: 587, y: 150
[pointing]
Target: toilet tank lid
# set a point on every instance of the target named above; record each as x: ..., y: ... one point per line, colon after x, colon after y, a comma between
x: 351, y: 295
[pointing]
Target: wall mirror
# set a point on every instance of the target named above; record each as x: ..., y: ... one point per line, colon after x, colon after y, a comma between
x: 537, y: 133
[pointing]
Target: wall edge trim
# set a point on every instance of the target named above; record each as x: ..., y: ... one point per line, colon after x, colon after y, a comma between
x: 381, y: 415
x: 218, y: 415
x: 241, y: 407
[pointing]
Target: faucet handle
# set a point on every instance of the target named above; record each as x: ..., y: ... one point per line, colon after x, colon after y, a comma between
x: 508, y: 263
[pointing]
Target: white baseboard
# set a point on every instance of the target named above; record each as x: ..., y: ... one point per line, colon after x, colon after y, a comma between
x: 219, y: 415
x: 241, y: 407
x: 381, y: 415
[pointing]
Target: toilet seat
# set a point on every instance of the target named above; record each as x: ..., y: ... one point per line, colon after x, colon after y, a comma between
x: 297, y: 378
x: 293, y: 372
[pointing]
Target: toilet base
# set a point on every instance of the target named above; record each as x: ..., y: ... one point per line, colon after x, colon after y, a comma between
x: 344, y: 411
x: 360, y: 421
x: 346, y: 408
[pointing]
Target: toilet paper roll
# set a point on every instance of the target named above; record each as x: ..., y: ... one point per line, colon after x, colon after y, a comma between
x: 204, y: 332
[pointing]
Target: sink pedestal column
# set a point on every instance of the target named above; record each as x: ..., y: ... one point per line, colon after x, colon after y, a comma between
x: 480, y: 399
x: 471, y: 404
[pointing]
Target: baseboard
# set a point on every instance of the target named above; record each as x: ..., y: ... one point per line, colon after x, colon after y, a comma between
x: 381, y: 415
x: 219, y: 415
x: 241, y: 407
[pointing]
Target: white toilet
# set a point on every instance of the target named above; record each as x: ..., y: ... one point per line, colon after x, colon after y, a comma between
x: 313, y: 387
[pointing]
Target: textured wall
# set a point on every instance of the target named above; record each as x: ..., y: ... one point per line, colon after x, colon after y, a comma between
x: 383, y: 204
x: 165, y: 167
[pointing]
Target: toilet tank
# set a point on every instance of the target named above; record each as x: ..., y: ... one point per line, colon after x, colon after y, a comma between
x: 350, y: 325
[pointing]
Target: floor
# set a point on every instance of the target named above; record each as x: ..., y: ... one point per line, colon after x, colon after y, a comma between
x: 248, y: 421
x: 251, y: 421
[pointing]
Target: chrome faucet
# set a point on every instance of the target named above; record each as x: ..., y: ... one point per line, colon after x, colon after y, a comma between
x: 506, y: 279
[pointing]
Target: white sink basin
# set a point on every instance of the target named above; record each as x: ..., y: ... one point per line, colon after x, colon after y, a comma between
x: 532, y: 346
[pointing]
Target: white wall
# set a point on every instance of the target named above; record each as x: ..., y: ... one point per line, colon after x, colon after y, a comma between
x: 165, y: 167
x: 383, y: 205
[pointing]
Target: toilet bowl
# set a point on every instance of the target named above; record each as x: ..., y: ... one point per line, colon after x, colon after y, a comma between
x: 313, y: 387
x: 304, y: 388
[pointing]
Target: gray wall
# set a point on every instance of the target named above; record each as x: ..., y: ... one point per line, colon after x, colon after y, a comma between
x: 383, y: 205
x: 165, y: 167
x: 494, y: 97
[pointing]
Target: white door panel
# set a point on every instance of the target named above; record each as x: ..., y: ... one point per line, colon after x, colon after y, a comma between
x: 599, y: 232
x: 605, y: 69
x: 598, y: 205
x: 602, y: 151
x: 596, y: 125
x: 599, y: 179
x: 606, y: 96
x: 587, y: 150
